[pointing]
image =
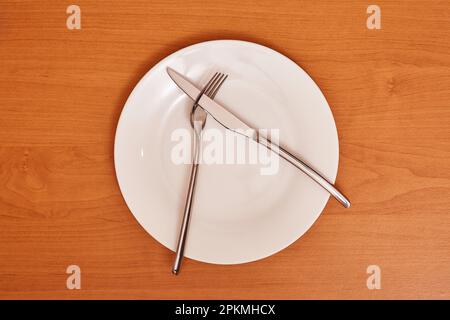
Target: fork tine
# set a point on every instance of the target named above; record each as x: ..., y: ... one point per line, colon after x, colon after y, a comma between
x: 214, y: 92
x: 213, y: 84
x: 219, y: 79
x: 210, y: 82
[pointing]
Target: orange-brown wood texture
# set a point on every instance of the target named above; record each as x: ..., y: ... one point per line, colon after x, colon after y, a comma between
x: 62, y: 91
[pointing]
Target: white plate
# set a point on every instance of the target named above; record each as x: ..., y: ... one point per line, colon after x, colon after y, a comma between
x: 238, y: 214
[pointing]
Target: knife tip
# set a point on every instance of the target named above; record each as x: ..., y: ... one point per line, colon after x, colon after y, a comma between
x: 169, y: 70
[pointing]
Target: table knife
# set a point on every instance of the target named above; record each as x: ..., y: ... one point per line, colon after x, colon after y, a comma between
x: 234, y: 123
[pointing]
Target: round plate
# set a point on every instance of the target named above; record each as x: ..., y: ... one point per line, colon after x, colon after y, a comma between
x: 238, y: 214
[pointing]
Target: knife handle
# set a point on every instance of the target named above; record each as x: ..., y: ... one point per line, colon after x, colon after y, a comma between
x: 310, y: 172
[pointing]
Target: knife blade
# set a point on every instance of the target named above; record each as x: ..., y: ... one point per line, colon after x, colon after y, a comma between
x: 232, y: 122
x: 219, y: 113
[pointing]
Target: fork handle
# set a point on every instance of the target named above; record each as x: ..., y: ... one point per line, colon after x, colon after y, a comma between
x: 188, y: 206
x: 310, y: 172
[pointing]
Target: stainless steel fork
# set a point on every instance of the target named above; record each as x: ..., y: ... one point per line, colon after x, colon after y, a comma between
x: 198, y: 121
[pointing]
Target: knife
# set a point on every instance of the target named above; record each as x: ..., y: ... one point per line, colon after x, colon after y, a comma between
x: 233, y: 123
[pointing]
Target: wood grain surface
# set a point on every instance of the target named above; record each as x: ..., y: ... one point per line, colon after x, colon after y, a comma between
x: 62, y: 91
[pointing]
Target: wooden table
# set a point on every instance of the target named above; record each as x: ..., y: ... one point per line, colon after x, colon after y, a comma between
x: 62, y: 92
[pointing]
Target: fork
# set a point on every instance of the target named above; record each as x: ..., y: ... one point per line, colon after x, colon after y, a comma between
x: 198, y: 120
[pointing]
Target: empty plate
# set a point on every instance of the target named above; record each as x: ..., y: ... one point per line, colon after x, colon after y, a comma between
x: 239, y: 215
